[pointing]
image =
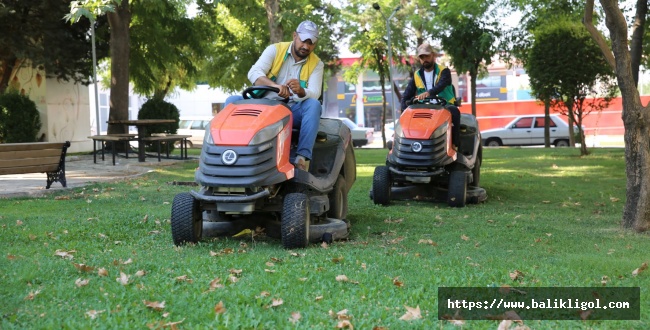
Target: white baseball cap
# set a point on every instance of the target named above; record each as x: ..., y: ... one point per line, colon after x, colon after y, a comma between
x: 307, y: 30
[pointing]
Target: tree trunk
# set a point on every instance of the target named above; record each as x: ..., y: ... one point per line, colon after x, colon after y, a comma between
x: 636, y: 120
x: 382, y: 78
x: 275, y: 29
x: 636, y: 43
x: 472, y: 82
x: 547, y: 122
x: 572, y: 139
x: 119, y: 21
x: 8, y: 65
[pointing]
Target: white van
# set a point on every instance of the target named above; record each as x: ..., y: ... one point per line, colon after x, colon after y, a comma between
x: 194, y: 126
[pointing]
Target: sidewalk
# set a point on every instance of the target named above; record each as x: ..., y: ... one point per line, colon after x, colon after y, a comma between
x: 79, y: 171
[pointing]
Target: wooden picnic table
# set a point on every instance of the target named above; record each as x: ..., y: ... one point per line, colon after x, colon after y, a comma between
x: 141, y: 125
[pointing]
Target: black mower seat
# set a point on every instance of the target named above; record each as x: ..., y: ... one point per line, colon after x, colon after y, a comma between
x: 295, y: 133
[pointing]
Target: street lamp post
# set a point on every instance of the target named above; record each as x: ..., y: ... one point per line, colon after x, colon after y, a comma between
x: 390, y: 56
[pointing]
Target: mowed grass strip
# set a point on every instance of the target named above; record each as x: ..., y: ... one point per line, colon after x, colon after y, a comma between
x: 102, y: 256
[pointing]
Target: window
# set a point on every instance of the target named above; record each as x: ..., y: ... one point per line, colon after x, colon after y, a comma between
x: 197, y: 124
x: 184, y: 124
x: 539, y: 122
x: 525, y: 122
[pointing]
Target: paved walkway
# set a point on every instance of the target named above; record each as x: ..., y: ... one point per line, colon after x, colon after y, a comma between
x: 79, y: 171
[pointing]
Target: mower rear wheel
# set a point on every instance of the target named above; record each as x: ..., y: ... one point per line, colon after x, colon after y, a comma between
x: 457, y: 192
x: 381, y: 185
x: 294, y: 226
x: 187, y: 222
x: 338, y: 198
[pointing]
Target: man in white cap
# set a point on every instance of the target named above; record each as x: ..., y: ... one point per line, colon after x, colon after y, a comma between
x: 431, y: 80
x: 297, y: 72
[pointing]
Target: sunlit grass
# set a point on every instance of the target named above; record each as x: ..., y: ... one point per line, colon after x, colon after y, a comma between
x: 558, y: 226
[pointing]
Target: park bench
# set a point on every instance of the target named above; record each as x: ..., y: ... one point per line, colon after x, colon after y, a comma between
x: 35, y: 157
x: 111, y: 138
x: 169, y: 138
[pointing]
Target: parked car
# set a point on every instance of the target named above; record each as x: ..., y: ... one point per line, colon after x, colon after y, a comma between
x: 194, y: 126
x: 360, y: 135
x: 527, y: 130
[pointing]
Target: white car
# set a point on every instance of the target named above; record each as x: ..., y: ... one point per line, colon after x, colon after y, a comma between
x: 194, y: 126
x: 527, y: 130
x: 360, y: 135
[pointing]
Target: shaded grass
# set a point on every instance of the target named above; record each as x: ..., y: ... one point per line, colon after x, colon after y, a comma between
x: 550, y: 214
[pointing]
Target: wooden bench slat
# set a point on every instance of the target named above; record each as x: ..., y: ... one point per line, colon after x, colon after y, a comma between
x: 30, y: 146
x: 29, y: 169
x: 20, y: 162
x: 29, y: 154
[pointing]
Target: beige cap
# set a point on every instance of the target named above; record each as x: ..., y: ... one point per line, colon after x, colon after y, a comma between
x: 426, y: 49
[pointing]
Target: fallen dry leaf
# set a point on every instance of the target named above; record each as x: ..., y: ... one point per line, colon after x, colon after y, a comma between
x: 337, y: 260
x: 233, y: 279
x: 295, y: 316
x: 155, y: 305
x: 93, y: 313
x: 32, y: 294
x: 270, y: 264
x: 397, y: 282
x: 345, y: 324
x: 183, y: 278
x: 464, y: 237
x: 318, y: 298
x: 219, y: 308
x: 427, y: 241
x: 127, y: 261
x: 340, y: 315
x: 83, y: 267
x: 276, y: 302
x: 640, y: 270
x: 411, y: 313
x: 269, y: 270
x: 102, y: 272
x: 140, y: 273
x: 123, y: 279
x: 215, y: 284
x: 341, y: 278
x: 65, y: 254
x: 79, y: 282
x: 11, y: 257
x: 236, y: 272
x: 324, y: 245
x: 516, y: 275
x: 19, y: 223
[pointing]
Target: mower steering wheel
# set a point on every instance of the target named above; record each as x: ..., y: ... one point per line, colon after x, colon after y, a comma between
x: 249, y: 93
x: 436, y: 99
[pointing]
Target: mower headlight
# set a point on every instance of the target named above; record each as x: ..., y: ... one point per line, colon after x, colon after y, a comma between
x: 398, y: 131
x: 269, y: 132
x: 207, y: 136
x: 440, y: 131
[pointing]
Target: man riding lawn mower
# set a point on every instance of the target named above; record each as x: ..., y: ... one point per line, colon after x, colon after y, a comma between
x: 423, y: 162
x: 246, y: 178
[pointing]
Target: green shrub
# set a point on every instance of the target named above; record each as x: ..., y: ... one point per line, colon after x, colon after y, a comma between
x: 20, y: 120
x: 160, y: 109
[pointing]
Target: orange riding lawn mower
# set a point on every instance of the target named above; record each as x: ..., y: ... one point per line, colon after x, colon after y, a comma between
x: 423, y: 164
x: 247, y: 181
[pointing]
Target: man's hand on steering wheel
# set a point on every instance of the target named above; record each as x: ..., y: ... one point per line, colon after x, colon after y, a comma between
x: 284, y: 91
x: 422, y: 96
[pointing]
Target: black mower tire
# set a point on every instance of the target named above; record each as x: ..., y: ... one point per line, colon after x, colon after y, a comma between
x: 338, y: 198
x: 186, y: 220
x: 294, y: 224
x: 381, y: 185
x: 457, y: 191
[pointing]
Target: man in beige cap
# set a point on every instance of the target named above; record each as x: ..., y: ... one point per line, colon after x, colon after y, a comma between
x: 432, y: 80
x: 297, y: 72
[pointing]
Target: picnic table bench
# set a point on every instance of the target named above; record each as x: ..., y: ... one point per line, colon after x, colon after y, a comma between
x: 169, y: 138
x: 111, y: 138
x: 35, y: 157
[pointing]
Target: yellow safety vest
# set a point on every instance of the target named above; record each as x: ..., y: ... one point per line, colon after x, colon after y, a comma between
x: 447, y: 93
x: 281, y: 55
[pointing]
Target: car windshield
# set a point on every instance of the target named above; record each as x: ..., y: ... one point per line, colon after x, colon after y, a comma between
x: 349, y: 123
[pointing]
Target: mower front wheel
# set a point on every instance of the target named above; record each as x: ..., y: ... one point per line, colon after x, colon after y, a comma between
x: 381, y: 185
x: 457, y: 192
x: 294, y: 226
x: 187, y: 222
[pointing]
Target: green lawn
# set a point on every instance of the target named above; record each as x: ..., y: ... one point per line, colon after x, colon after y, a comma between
x: 551, y: 215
